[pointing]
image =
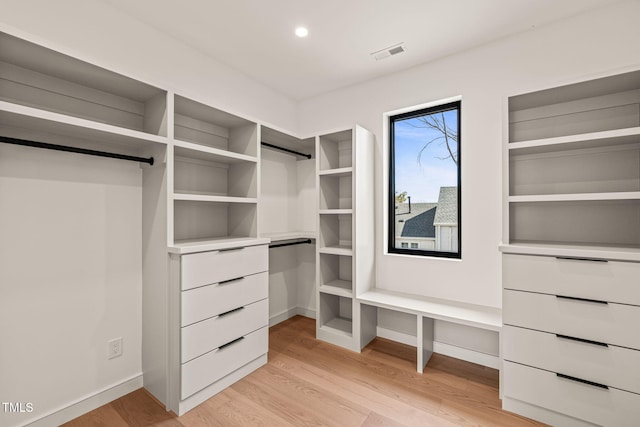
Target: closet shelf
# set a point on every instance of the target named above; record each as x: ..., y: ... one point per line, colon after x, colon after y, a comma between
x: 337, y: 250
x: 336, y: 172
x: 217, y: 199
x: 213, y: 244
x: 342, y: 288
x: 573, y: 250
x: 335, y: 211
x: 585, y: 140
x: 576, y: 197
x: 47, y: 122
x: 202, y: 152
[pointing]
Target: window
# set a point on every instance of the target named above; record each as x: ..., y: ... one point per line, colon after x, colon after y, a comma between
x: 424, y: 181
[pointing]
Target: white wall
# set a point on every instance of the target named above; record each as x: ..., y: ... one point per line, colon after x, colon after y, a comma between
x: 602, y: 41
x: 97, y: 33
x: 70, y: 276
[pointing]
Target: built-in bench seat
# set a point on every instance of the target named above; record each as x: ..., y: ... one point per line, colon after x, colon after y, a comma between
x: 429, y: 309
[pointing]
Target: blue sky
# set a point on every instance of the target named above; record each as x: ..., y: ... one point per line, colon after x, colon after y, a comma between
x: 422, y: 180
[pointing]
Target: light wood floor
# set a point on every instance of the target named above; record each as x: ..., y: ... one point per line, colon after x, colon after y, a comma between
x: 311, y: 383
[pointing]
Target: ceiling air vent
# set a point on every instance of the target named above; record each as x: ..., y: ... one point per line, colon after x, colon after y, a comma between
x: 389, y: 51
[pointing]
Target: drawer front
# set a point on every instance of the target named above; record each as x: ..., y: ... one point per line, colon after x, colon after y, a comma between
x: 209, y: 368
x: 611, y: 281
x: 205, y: 268
x: 606, y: 407
x: 208, y: 301
x: 608, y: 323
x: 613, y: 366
x: 210, y: 334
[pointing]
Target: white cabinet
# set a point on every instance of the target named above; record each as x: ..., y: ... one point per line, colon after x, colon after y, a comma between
x: 219, y: 318
x: 571, y: 262
x: 345, y: 248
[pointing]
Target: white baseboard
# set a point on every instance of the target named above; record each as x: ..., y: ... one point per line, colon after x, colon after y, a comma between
x: 472, y: 356
x: 442, y: 348
x: 396, y: 336
x: 287, y: 314
x: 87, y: 403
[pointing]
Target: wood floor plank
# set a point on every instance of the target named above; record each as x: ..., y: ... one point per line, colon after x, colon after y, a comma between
x: 362, y: 394
x: 138, y: 409
x: 104, y: 416
x: 308, y: 382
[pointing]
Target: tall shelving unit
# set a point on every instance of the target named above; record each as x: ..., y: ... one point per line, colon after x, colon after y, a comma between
x: 572, y: 252
x: 345, y: 248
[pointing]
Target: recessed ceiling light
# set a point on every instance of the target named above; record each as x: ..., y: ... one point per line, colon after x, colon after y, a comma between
x: 302, y: 32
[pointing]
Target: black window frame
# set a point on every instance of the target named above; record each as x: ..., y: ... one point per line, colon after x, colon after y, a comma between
x: 391, y: 248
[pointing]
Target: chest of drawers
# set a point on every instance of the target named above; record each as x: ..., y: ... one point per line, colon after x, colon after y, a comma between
x: 221, y: 321
x: 570, y: 342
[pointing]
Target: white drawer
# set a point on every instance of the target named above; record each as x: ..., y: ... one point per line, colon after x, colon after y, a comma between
x: 205, y: 268
x: 606, y: 407
x: 611, y: 281
x: 211, y: 333
x: 604, y: 322
x: 208, y: 301
x: 610, y: 365
x: 210, y: 367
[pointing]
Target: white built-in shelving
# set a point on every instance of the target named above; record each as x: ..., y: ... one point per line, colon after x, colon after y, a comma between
x: 573, y: 166
x: 215, y: 174
x: 571, y: 252
x: 345, y: 226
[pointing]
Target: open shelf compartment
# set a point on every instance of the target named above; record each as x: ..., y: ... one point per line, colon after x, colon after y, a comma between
x: 336, y: 231
x: 609, y: 168
x: 613, y: 223
x: 336, y: 191
x: 233, y: 178
x: 336, y: 272
x: 197, y: 220
x: 208, y: 126
x: 335, y: 150
x: 598, y: 105
x: 336, y: 314
x: 37, y: 77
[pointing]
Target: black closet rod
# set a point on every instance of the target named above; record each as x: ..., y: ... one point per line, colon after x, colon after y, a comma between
x: 55, y: 147
x: 279, y: 245
x: 297, y: 153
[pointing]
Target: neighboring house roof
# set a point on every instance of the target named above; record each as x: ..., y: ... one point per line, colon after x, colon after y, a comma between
x: 447, y: 212
x: 418, y: 222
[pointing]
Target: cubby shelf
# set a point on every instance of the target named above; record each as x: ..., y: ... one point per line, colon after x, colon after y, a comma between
x: 337, y: 172
x: 210, y: 198
x: 195, y: 151
x: 603, y: 138
x: 338, y: 287
x: 335, y: 211
x: 337, y: 250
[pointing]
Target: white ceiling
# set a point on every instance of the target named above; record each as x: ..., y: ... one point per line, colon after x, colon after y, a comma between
x: 256, y: 37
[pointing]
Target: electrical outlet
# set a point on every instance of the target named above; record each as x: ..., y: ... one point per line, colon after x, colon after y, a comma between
x: 114, y: 348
